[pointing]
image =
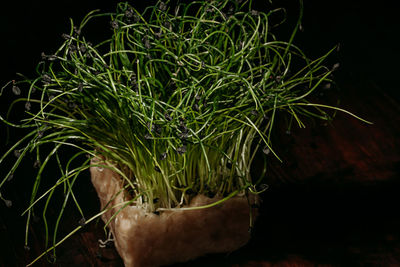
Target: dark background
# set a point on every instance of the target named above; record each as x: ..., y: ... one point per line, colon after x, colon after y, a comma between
x: 316, y: 219
x: 366, y: 30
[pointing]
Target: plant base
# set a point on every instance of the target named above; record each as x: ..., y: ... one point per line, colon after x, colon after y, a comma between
x: 147, y: 239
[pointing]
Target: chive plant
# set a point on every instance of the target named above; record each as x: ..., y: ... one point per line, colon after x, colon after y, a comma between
x: 178, y: 101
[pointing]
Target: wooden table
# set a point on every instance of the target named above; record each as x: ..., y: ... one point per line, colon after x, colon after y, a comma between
x: 331, y: 202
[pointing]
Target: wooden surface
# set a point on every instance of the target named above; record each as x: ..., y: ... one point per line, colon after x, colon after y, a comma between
x: 333, y: 200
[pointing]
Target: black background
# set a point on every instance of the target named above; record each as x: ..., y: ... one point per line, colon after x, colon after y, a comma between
x: 366, y: 30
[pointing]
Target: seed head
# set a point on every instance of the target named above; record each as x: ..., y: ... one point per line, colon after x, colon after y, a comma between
x: 82, y: 222
x: 46, y: 79
x: 10, y: 177
x: 77, y: 31
x: 146, y: 42
x: 183, y: 136
x: 40, y: 134
x: 156, y: 128
x: 66, y: 36
x: 163, y: 156
x: 48, y: 57
x: 266, y: 150
x: 133, y: 78
x: 162, y: 6
x: 72, y: 49
x: 254, y: 12
x: 82, y: 48
x: 36, y: 164
x: 327, y: 86
x: 28, y: 105
x: 167, y: 24
x: 80, y: 87
x: 181, y: 150
x: 129, y: 13
x: 96, y: 72
x: 209, y: 10
x: 204, y: 102
x: 183, y: 128
x: 8, y: 203
x: 16, y: 90
x: 17, y: 153
x: 158, y: 34
x: 168, y: 117
x: 335, y: 67
x: 230, y: 10
x: 114, y: 25
x: 135, y: 87
x: 72, y: 105
x: 136, y: 18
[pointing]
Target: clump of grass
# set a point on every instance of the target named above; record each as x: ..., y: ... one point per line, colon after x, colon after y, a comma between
x: 178, y: 102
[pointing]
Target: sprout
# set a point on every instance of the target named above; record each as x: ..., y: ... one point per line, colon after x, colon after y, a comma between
x: 193, y: 82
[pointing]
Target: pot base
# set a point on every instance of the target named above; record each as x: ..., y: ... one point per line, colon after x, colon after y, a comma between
x: 147, y: 239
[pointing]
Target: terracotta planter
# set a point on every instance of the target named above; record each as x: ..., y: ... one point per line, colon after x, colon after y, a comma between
x: 147, y: 239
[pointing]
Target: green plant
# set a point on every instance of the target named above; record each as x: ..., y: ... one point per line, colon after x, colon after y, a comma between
x: 178, y: 102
